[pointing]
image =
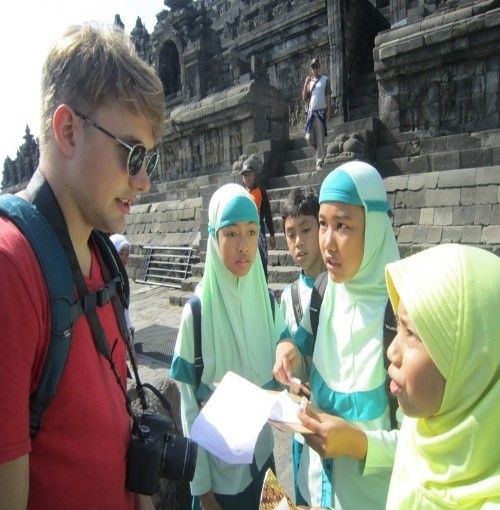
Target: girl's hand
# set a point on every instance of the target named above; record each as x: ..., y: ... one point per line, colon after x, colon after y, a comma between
x: 287, y: 359
x: 333, y: 436
x: 208, y: 501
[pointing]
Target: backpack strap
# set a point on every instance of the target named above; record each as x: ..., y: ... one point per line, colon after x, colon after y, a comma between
x: 195, y: 304
x: 117, y: 290
x: 296, y: 303
x: 272, y: 299
x: 64, y: 306
x: 390, y: 329
x: 317, y: 295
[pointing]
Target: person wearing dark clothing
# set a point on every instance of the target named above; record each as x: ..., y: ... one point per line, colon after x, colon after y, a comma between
x: 249, y: 168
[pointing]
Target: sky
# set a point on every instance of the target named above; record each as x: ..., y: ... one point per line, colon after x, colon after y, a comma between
x: 27, y: 30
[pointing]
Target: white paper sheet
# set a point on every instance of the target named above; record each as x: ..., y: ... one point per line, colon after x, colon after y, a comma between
x: 230, y: 422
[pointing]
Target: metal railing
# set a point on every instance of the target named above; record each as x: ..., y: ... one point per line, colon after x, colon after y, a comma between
x: 165, y: 265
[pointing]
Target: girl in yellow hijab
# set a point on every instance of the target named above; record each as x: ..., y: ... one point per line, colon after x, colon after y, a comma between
x: 445, y: 368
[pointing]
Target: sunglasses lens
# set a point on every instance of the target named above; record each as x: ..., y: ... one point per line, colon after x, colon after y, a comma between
x: 136, y: 159
x: 152, y: 163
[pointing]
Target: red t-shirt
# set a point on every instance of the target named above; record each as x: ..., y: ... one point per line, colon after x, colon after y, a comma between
x: 78, y: 459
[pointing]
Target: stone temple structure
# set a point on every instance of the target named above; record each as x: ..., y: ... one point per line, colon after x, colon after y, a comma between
x: 415, y: 90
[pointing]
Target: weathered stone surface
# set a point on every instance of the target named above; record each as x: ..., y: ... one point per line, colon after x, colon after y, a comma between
x: 491, y: 234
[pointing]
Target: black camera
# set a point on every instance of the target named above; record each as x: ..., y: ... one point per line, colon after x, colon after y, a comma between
x: 156, y: 452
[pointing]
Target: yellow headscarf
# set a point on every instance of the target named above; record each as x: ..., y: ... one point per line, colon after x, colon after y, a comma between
x: 452, y: 459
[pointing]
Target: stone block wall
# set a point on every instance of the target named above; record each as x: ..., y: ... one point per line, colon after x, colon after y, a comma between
x: 454, y: 206
x: 441, y: 74
x: 167, y: 223
x: 207, y: 136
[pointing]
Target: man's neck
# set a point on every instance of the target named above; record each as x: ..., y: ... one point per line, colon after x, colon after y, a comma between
x: 79, y: 232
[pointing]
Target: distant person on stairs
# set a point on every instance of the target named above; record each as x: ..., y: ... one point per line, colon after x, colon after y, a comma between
x: 317, y: 93
x: 249, y: 168
x: 123, y: 248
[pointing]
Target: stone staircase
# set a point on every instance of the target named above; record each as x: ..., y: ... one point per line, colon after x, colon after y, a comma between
x: 408, y: 153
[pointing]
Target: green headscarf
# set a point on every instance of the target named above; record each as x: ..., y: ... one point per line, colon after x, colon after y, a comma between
x: 238, y: 330
x: 352, y: 313
x: 452, y: 459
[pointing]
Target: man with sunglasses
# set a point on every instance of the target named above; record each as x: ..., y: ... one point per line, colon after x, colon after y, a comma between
x: 102, y: 115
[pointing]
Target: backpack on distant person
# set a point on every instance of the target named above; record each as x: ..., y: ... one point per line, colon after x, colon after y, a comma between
x: 317, y: 295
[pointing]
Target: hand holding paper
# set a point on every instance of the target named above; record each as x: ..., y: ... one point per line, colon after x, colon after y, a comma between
x: 229, y: 424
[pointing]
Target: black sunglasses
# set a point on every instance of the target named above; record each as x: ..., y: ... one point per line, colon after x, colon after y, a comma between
x: 137, y: 154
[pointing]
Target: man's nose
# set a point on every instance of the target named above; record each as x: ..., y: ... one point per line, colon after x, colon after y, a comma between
x: 140, y: 182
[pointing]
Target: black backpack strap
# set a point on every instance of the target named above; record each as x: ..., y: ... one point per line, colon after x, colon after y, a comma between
x: 195, y: 304
x: 390, y: 329
x: 117, y: 290
x: 272, y: 299
x: 317, y: 294
x: 296, y: 304
x: 62, y: 297
x: 114, y: 263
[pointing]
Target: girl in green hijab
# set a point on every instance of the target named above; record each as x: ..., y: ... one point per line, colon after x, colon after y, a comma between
x: 348, y: 379
x: 240, y: 330
x: 445, y: 371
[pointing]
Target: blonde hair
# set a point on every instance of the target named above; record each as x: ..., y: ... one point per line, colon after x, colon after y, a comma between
x: 90, y: 65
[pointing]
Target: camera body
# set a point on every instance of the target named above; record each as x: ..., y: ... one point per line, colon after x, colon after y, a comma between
x: 156, y: 452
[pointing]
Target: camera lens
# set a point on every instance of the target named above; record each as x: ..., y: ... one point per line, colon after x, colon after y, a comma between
x: 179, y: 458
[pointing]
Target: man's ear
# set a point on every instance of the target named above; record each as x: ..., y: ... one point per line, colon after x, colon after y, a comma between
x: 64, y: 123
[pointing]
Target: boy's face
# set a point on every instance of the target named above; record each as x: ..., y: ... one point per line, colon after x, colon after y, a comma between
x: 238, y: 246
x: 248, y: 178
x: 415, y: 379
x: 341, y: 239
x: 301, y: 234
x: 99, y: 187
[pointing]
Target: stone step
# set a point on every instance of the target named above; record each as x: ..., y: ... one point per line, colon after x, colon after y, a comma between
x: 182, y: 189
x: 189, y: 284
x: 137, y: 241
x: 451, y: 160
x: 293, y: 180
x: 279, y: 258
x: 299, y: 166
x: 297, y: 154
x: 282, y: 274
x: 297, y: 140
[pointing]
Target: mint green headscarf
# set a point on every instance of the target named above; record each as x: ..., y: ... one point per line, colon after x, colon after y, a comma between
x: 452, y: 459
x: 238, y: 331
x: 352, y: 313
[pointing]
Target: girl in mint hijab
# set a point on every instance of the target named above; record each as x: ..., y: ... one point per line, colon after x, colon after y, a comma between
x: 348, y: 376
x: 239, y: 331
x: 445, y: 371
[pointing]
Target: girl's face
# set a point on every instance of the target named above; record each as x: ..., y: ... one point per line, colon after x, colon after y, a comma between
x: 238, y: 246
x: 248, y: 178
x: 301, y: 233
x: 415, y: 379
x: 341, y: 239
